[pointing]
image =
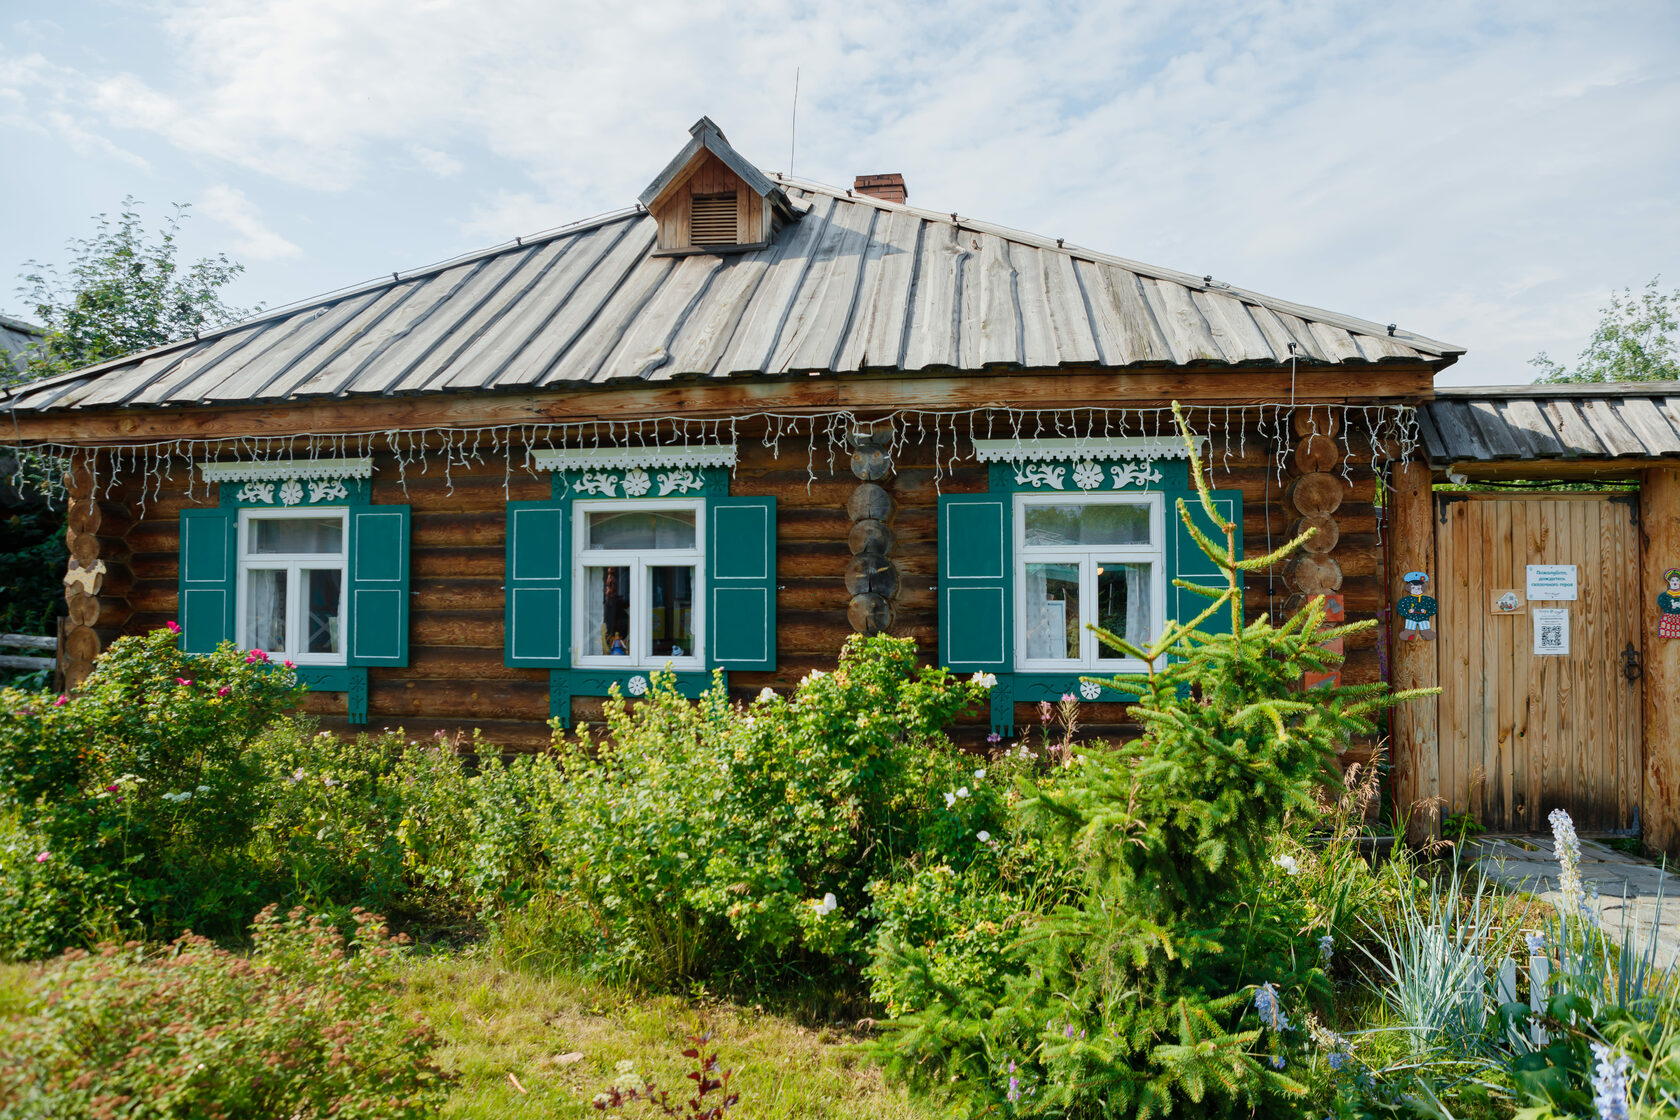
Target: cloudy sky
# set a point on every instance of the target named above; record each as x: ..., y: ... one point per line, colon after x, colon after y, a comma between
x: 1483, y: 173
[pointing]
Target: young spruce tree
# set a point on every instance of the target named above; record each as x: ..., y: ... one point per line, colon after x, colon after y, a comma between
x: 1156, y: 992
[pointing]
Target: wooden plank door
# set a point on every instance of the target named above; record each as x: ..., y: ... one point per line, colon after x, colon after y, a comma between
x: 1522, y: 733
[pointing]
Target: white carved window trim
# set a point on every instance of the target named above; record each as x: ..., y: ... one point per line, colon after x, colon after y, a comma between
x: 1088, y: 557
x: 640, y: 657
x: 621, y: 459
x: 294, y: 565
x: 280, y: 470
x: 1093, y: 448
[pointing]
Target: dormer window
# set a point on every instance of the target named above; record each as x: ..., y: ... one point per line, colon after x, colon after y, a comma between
x: 710, y: 199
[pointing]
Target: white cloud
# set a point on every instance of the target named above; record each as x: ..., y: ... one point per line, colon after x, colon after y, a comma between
x: 1473, y: 173
x: 229, y: 206
x: 441, y: 164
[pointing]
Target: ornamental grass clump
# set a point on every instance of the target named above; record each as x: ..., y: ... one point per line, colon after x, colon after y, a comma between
x: 302, y: 1027
x: 1172, y: 982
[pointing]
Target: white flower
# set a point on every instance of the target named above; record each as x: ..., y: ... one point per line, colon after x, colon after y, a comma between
x: 962, y: 791
x: 829, y: 904
x: 985, y: 680
x: 203, y: 789
x: 980, y: 774
x: 766, y: 695
x: 950, y: 799
x: 1610, y: 1082
x: 983, y: 836
x: 1566, y: 846
x: 1288, y: 864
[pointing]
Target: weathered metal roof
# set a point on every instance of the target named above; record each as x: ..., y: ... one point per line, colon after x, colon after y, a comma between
x: 857, y: 284
x: 16, y: 336
x: 1626, y: 420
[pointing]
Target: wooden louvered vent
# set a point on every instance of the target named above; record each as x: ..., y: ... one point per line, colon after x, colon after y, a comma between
x: 712, y: 220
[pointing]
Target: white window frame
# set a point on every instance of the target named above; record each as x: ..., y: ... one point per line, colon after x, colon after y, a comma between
x: 294, y: 564
x: 1088, y: 558
x: 641, y: 658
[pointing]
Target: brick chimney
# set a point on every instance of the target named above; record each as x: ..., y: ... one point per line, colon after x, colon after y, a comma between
x: 889, y: 186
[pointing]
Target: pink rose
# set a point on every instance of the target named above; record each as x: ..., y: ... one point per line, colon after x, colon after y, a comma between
x: 224, y: 691
x: 174, y: 627
x: 183, y: 681
x: 61, y: 701
x: 288, y: 665
x: 43, y: 857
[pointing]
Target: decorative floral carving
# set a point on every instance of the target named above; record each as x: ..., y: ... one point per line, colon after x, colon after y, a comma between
x: 1090, y: 689
x: 1127, y: 473
x: 680, y: 481
x: 597, y: 482
x: 637, y: 684
x: 291, y: 492
x: 328, y: 490
x: 636, y: 483
x: 1088, y: 475
x: 257, y: 492
x: 1039, y: 475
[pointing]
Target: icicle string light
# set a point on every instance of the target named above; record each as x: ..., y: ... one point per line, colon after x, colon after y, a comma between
x: 101, y: 469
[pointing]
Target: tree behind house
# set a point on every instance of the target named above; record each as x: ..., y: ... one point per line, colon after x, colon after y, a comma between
x: 123, y: 290
x: 1635, y: 341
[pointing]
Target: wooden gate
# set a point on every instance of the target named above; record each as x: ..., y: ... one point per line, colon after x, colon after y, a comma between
x: 1523, y: 733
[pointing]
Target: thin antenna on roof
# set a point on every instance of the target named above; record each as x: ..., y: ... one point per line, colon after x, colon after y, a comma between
x: 793, y: 128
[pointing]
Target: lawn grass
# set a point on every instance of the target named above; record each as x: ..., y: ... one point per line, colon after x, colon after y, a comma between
x: 495, y: 1021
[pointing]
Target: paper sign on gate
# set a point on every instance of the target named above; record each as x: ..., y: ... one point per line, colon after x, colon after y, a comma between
x: 1551, y: 631
x: 1552, y: 581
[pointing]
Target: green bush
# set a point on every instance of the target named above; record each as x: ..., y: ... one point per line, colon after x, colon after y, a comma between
x: 299, y: 1028
x: 1162, y: 985
x: 706, y: 839
x: 136, y: 795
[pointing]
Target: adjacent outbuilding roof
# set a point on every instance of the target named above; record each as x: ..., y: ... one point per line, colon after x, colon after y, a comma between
x: 1626, y: 420
x: 16, y: 336
x: 857, y: 284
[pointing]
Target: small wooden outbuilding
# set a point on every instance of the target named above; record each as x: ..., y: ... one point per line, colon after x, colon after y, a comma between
x: 1557, y: 670
x: 721, y: 430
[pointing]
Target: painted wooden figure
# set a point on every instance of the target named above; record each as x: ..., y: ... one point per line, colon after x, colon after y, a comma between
x: 1417, y: 608
x: 1668, y: 602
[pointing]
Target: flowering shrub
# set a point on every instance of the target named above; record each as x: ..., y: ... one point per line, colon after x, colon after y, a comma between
x: 300, y: 1028
x: 440, y: 826
x: 705, y: 837
x: 138, y: 791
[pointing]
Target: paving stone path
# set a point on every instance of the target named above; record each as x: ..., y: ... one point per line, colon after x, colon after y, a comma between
x: 1526, y: 863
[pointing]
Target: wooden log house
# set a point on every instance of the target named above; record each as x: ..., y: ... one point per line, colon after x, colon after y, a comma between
x: 721, y: 430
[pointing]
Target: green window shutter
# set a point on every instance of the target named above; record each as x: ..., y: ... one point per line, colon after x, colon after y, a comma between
x: 208, y: 578
x: 742, y: 557
x: 536, y: 634
x: 378, y: 585
x: 975, y: 567
x: 1192, y: 564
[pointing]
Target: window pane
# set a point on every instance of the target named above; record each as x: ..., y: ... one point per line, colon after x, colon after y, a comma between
x: 606, y: 612
x: 1123, y: 605
x: 673, y: 611
x: 641, y: 528
x: 324, y: 594
x: 271, y: 535
x: 1052, y: 611
x: 265, y: 610
x: 1096, y: 523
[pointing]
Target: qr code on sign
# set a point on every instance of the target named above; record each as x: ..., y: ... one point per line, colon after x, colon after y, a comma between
x: 1551, y: 636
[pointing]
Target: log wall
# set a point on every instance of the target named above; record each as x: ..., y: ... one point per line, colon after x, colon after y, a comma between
x: 455, y: 677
